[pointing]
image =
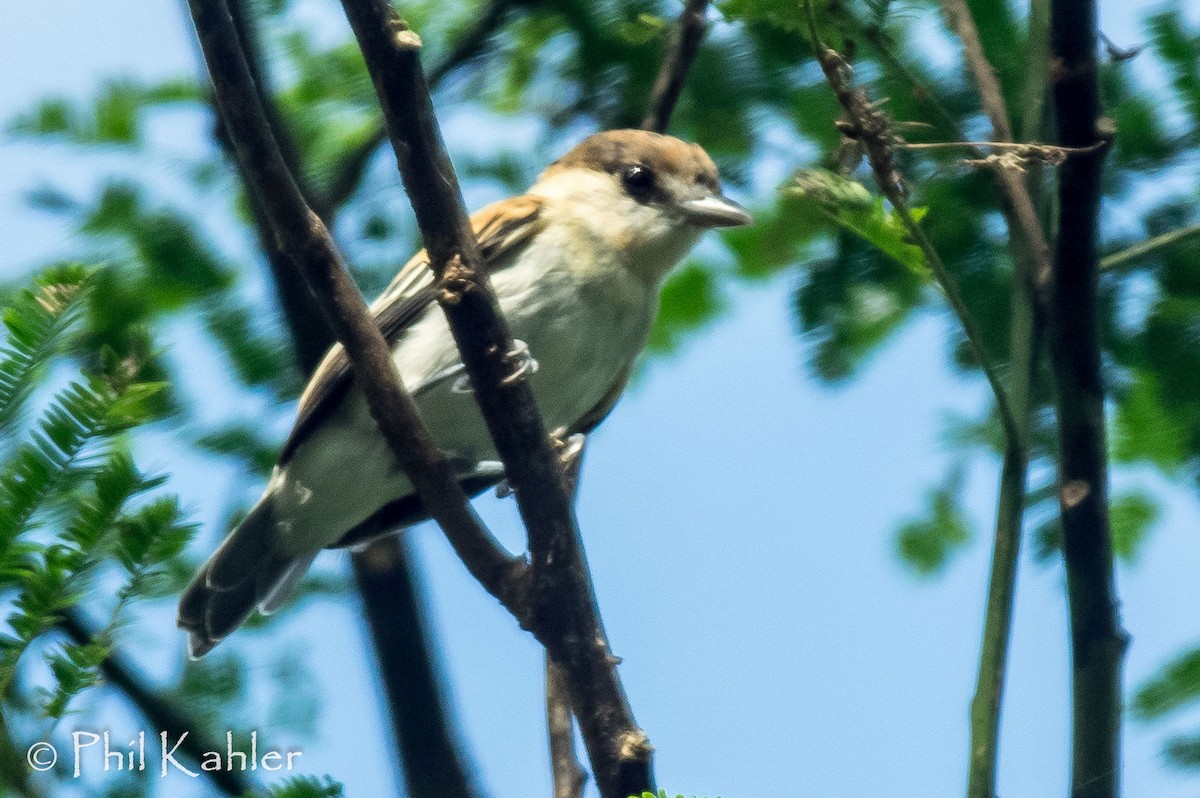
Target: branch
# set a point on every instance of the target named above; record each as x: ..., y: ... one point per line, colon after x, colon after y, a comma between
x: 429, y: 757
x: 562, y: 611
x: 350, y: 173
x: 1097, y: 640
x: 689, y: 32
x: 302, y: 236
x: 872, y: 129
x: 1119, y: 260
x: 1028, y: 227
x: 392, y: 608
x: 1032, y: 258
x: 161, y: 714
x: 308, y: 331
x: 1025, y: 338
x: 569, y: 777
x: 1020, y: 215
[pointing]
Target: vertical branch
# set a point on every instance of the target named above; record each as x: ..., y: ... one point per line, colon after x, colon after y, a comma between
x: 1097, y: 640
x: 1031, y: 256
x: 309, y: 332
x: 433, y: 767
x: 1024, y: 338
x: 668, y: 85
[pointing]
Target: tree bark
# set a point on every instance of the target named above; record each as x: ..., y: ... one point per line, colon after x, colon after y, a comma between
x: 1097, y: 640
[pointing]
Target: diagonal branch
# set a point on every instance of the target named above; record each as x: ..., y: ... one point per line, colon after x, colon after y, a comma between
x: 1119, y: 260
x: 872, y: 129
x: 562, y: 609
x: 689, y: 32
x: 350, y: 173
x: 302, y: 236
x: 569, y: 778
x: 1097, y: 639
x: 431, y: 762
x: 1028, y: 227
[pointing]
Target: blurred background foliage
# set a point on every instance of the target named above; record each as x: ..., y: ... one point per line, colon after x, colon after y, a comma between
x: 539, y: 74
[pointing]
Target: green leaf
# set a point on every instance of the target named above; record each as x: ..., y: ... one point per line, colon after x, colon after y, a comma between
x: 113, y: 116
x: 1174, y: 687
x: 305, y: 787
x: 926, y: 544
x: 35, y: 324
x: 256, y: 357
x: 244, y: 442
x: 850, y: 205
x: 1146, y: 430
x: 1179, y: 48
x: 77, y: 415
x: 689, y: 300
x: 1132, y: 515
x: 1183, y: 751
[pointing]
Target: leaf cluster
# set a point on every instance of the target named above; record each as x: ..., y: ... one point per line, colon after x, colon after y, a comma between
x: 70, y: 467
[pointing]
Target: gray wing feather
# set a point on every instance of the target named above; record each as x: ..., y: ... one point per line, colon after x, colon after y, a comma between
x: 499, y: 229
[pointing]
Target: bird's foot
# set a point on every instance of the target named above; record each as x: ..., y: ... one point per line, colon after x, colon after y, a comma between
x: 569, y: 449
x: 520, y: 358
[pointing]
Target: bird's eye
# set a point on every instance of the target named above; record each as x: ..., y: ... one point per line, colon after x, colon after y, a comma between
x: 638, y: 181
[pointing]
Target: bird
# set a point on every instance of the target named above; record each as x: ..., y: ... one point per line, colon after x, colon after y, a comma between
x: 577, y: 263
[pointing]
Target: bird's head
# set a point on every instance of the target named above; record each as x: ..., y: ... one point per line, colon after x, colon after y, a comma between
x: 648, y: 196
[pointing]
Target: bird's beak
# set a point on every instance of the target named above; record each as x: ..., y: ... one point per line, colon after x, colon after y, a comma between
x: 715, y: 211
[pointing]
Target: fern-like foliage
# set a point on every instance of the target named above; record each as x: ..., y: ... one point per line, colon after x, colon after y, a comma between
x: 35, y: 323
x: 143, y: 540
x: 75, y: 417
x: 71, y: 465
x: 305, y: 787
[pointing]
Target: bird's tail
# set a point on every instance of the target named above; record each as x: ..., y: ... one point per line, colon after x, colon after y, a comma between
x: 248, y: 570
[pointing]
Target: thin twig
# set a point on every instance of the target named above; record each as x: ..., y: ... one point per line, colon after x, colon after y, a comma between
x: 349, y: 173
x: 562, y: 611
x: 1032, y: 258
x: 1028, y: 240
x: 1145, y: 249
x: 1097, y: 640
x: 1052, y: 154
x: 161, y: 713
x: 873, y: 130
x: 569, y: 777
x: 303, y: 237
x: 958, y: 15
x: 1028, y: 226
x: 685, y: 43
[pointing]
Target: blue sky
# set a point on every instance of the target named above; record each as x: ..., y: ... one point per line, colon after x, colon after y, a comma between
x: 738, y: 518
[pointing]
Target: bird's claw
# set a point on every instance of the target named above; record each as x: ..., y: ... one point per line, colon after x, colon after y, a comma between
x: 568, y: 447
x: 522, y: 361
x: 519, y: 357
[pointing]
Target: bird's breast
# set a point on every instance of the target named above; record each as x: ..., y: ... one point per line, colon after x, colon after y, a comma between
x: 583, y: 319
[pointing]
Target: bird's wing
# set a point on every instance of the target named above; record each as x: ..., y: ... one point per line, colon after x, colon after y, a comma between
x: 500, y: 229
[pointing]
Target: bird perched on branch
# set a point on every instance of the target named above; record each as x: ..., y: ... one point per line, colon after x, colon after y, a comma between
x: 576, y: 262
